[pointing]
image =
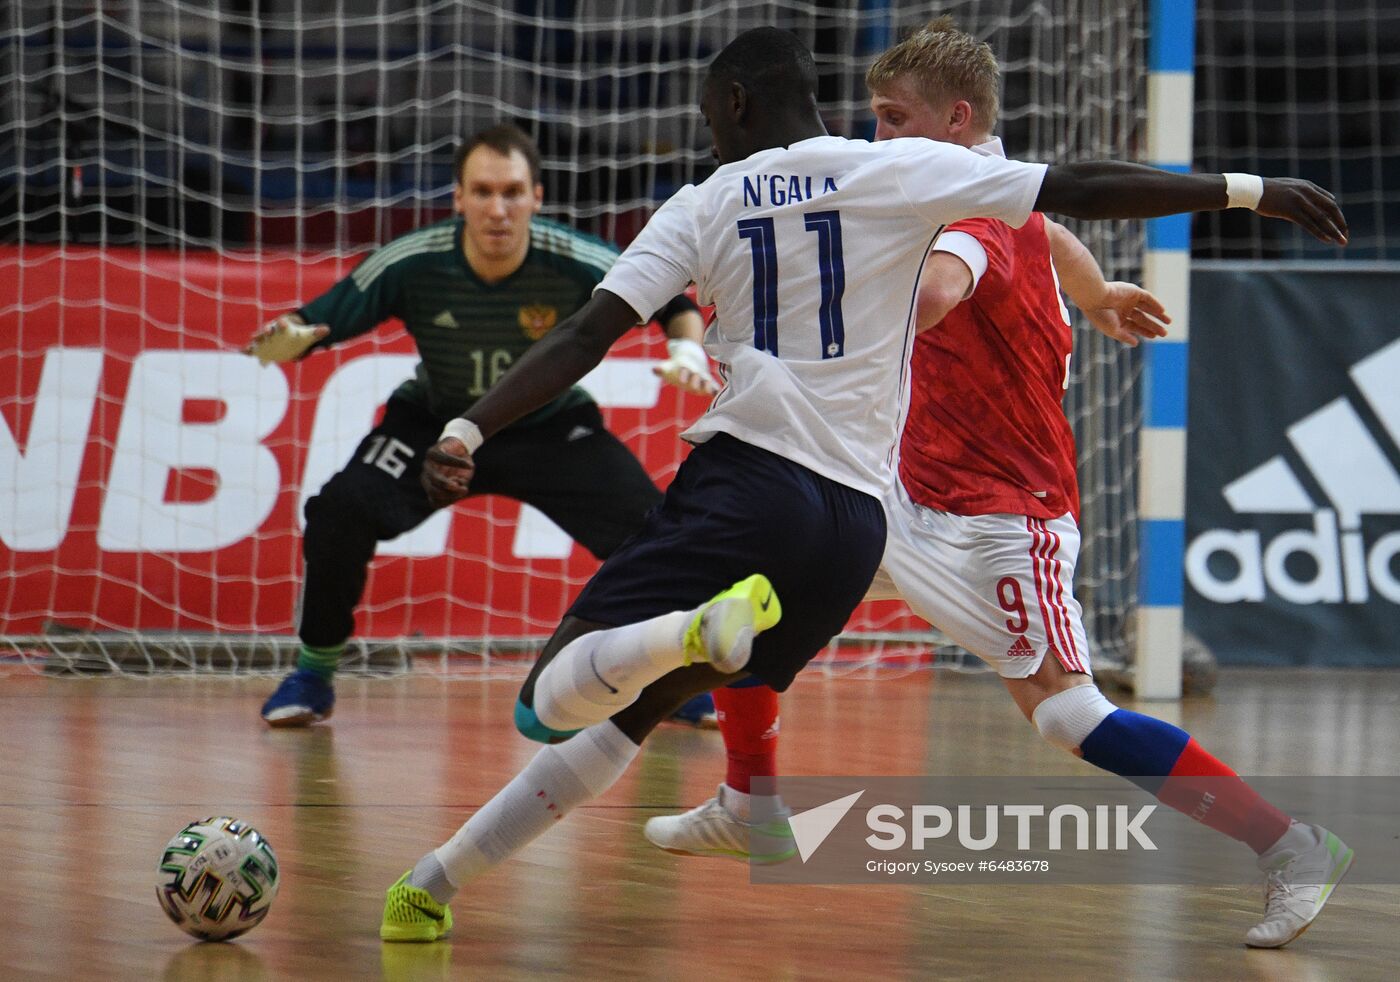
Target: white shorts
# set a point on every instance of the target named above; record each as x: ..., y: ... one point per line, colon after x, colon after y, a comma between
x: 1000, y: 586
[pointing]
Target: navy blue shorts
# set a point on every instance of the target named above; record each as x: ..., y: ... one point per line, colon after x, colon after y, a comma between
x: 734, y: 510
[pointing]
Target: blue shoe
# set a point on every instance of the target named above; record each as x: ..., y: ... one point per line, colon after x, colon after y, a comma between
x: 303, y: 698
x: 698, y: 712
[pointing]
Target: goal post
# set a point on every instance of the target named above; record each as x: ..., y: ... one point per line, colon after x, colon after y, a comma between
x: 1167, y: 273
x: 172, y: 174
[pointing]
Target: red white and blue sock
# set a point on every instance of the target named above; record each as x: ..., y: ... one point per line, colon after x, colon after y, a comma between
x: 1163, y: 760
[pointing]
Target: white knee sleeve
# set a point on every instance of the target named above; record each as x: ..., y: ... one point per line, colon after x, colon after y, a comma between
x: 596, y: 675
x: 570, y: 694
x: 1067, y: 717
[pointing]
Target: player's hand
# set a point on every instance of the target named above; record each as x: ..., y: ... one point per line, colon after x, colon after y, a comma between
x: 687, y: 368
x: 1304, y: 204
x: 447, y: 472
x: 1128, y: 313
x: 284, y: 339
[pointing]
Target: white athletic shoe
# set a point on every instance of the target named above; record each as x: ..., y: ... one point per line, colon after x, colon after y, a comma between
x: 1299, y: 880
x: 723, y: 630
x: 713, y: 830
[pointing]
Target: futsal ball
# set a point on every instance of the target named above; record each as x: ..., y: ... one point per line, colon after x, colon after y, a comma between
x: 218, y: 878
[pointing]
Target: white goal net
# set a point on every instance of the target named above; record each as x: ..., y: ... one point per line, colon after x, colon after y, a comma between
x: 1303, y: 89
x: 172, y: 173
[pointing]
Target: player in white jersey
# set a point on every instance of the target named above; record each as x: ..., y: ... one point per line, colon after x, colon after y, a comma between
x: 983, y: 529
x: 781, y: 492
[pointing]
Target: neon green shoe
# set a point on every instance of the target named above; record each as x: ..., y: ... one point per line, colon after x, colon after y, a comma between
x: 723, y: 630
x: 411, y: 914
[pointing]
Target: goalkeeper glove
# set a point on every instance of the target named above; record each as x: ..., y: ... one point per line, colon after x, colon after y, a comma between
x: 283, y: 340
x: 688, y: 367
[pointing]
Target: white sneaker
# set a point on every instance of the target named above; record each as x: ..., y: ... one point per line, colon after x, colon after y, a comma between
x: 713, y: 830
x: 1300, y: 878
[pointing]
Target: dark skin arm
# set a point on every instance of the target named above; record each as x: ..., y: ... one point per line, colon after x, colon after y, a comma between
x: 1110, y: 189
x: 1094, y: 190
x: 545, y: 372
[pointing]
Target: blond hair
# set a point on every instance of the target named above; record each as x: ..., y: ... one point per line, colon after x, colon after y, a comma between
x: 943, y: 63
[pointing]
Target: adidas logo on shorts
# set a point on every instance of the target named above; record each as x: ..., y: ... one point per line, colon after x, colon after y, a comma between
x: 1021, y: 648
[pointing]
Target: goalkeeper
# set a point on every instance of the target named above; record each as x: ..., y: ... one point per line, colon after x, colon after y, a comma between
x: 475, y: 292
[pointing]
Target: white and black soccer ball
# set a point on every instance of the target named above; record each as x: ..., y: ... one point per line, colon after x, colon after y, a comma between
x: 218, y: 877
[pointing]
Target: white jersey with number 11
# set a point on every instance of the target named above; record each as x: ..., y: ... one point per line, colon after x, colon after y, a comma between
x: 811, y: 255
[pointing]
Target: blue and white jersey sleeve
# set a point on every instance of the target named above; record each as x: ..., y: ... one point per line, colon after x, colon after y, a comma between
x: 662, y: 260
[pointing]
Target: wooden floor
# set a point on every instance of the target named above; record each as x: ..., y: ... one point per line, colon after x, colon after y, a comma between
x: 99, y: 773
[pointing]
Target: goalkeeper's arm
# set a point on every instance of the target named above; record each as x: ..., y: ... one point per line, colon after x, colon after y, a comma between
x: 353, y: 306
x: 284, y: 339
x: 686, y: 366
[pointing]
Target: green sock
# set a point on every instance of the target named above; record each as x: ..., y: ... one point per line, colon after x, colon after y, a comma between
x: 322, y: 661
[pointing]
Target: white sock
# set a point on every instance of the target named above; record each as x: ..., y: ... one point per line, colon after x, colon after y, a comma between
x: 737, y: 803
x: 429, y: 875
x: 596, y: 675
x: 751, y: 808
x: 558, y: 779
x: 1298, y: 839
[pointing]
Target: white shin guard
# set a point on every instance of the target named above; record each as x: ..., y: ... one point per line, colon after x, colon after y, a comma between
x: 1068, y: 717
x: 558, y: 779
x: 597, y: 675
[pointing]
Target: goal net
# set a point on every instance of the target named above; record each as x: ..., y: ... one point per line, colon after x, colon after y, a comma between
x: 1300, y: 89
x: 174, y: 173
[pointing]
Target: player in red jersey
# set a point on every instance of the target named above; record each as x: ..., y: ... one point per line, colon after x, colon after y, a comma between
x: 983, y: 530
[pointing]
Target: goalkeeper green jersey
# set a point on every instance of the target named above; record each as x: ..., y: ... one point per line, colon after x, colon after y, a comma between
x: 468, y: 332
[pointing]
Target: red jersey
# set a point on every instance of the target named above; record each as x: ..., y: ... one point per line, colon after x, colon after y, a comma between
x: 986, y: 431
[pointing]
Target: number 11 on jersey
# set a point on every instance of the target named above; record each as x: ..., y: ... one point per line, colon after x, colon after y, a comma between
x: 831, y: 264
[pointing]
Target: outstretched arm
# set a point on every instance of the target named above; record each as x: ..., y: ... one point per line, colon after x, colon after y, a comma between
x: 545, y: 372
x: 1122, y: 311
x: 353, y: 306
x: 1113, y: 189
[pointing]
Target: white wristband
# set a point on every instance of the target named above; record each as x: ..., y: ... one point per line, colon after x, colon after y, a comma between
x: 464, y: 430
x: 1244, y: 190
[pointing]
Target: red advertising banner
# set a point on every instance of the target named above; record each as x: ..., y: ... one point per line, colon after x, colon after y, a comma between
x: 152, y: 476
